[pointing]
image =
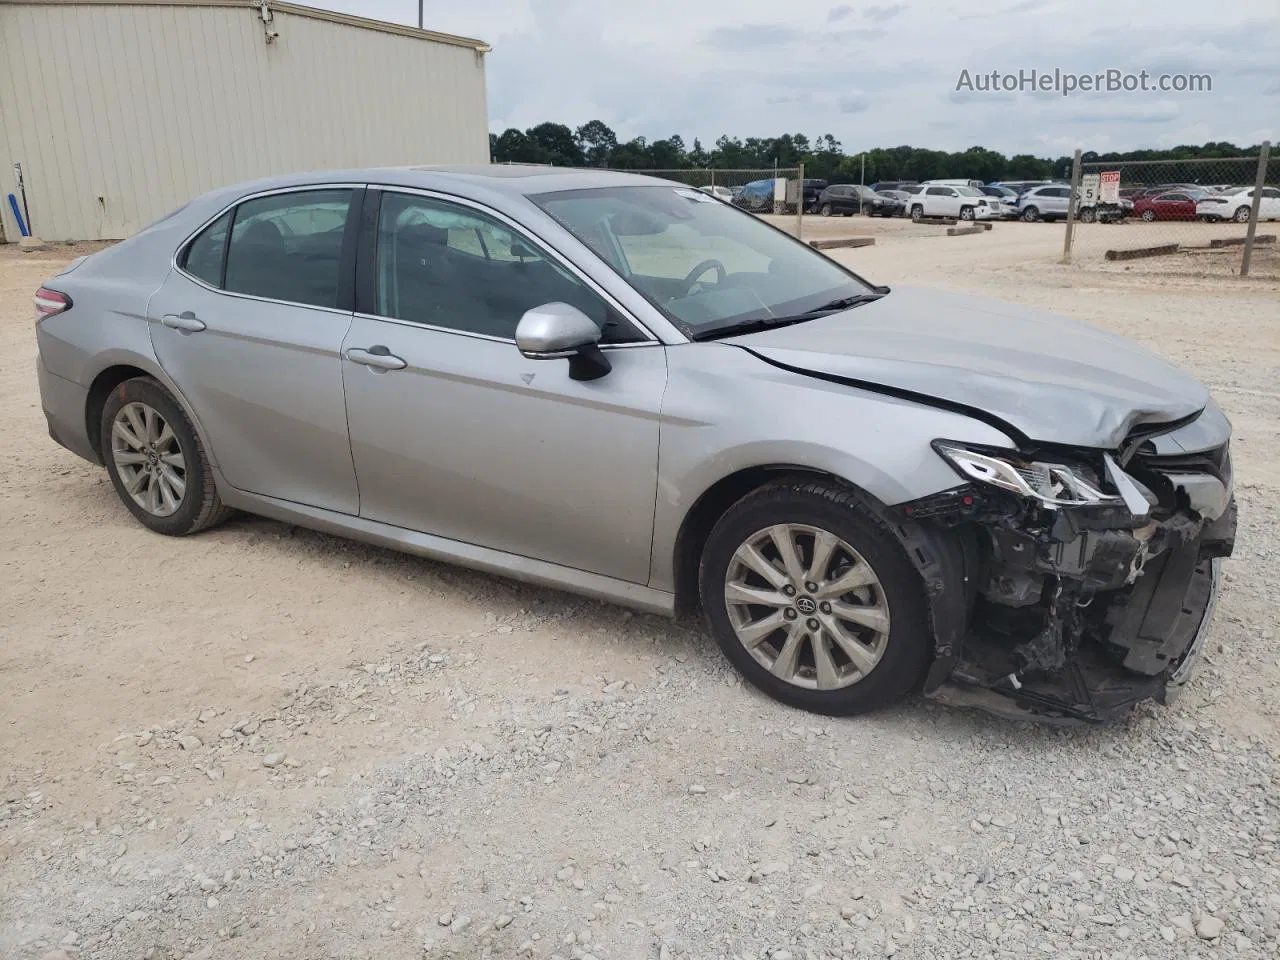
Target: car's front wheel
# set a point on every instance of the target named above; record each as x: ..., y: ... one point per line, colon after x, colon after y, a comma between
x: 917, y: 212
x: 813, y: 599
x: 156, y: 462
x: 1030, y: 215
x: 1149, y: 215
x: 966, y: 213
x: 826, y: 210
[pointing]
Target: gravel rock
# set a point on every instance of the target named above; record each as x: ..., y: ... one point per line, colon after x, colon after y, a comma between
x: 1209, y: 928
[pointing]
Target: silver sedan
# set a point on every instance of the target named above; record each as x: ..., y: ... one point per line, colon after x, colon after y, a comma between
x: 620, y: 386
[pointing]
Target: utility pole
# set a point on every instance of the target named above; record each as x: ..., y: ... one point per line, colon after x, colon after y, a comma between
x: 419, y: 14
x: 862, y: 177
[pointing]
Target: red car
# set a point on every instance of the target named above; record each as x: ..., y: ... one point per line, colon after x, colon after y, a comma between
x: 1174, y: 205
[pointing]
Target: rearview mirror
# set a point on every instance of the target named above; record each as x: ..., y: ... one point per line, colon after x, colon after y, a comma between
x: 557, y: 331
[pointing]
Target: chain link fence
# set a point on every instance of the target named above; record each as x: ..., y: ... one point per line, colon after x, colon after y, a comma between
x: 1203, y: 217
x: 780, y: 191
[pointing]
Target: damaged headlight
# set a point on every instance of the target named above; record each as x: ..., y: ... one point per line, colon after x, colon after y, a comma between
x: 1051, y: 484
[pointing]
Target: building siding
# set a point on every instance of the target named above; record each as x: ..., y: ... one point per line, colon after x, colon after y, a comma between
x: 119, y: 114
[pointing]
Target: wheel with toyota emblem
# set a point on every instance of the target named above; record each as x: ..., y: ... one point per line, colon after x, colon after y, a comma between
x: 156, y: 461
x: 812, y: 597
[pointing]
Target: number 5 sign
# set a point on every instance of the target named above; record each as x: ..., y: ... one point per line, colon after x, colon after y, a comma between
x: 1089, y: 189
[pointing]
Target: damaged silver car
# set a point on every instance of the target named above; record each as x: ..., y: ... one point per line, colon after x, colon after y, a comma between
x: 621, y: 387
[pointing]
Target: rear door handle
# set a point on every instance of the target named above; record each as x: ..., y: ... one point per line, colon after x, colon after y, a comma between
x: 376, y: 356
x: 186, y: 321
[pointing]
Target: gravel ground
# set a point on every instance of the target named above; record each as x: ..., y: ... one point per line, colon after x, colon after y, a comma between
x: 264, y: 742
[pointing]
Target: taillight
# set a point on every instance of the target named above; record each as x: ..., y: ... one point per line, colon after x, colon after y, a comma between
x: 49, y: 302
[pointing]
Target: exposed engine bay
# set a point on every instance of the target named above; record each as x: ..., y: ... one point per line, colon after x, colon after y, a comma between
x: 1080, y: 581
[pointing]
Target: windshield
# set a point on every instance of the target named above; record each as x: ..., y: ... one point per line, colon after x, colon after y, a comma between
x: 969, y: 192
x: 706, y: 265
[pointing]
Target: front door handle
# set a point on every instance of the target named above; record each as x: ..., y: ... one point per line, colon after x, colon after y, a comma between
x: 376, y: 356
x: 186, y: 321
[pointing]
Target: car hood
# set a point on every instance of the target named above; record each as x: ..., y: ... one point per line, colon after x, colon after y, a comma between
x: 1052, y: 379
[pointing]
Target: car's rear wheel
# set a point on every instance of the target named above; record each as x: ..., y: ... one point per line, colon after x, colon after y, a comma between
x: 1088, y: 215
x: 1242, y: 214
x: 813, y: 599
x: 1030, y: 215
x: 917, y: 212
x: 156, y: 462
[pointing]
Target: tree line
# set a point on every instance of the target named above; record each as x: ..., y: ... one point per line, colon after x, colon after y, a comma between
x: 594, y: 144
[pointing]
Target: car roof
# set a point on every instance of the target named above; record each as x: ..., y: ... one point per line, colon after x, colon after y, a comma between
x: 510, y: 179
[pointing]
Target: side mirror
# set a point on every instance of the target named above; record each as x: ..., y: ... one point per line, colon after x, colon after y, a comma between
x: 556, y: 331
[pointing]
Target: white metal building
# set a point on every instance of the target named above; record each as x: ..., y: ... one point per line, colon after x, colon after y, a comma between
x: 121, y: 110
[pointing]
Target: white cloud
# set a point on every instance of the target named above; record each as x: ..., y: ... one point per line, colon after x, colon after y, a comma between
x: 873, y: 75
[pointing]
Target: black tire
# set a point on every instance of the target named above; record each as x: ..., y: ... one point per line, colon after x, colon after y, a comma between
x: 200, y: 506
x: 1242, y: 214
x: 917, y: 212
x: 1088, y: 215
x: 825, y: 210
x: 966, y: 213
x: 1030, y: 215
x: 846, y: 514
x: 1149, y: 215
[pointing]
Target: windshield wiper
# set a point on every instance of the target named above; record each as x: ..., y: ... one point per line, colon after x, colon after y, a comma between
x: 734, y: 327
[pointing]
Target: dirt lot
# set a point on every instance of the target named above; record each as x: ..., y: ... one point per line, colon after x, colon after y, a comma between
x: 264, y: 742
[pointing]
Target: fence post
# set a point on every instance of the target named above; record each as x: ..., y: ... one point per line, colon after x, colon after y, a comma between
x: 800, y: 202
x: 712, y: 171
x: 1258, y: 184
x: 1071, y: 207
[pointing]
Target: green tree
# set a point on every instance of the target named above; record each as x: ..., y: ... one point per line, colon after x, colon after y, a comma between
x: 597, y: 142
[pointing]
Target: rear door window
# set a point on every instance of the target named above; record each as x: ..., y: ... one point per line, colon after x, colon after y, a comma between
x: 289, y: 246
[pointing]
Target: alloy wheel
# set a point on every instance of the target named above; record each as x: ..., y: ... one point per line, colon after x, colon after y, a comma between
x: 149, y: 459
x: 807, y: 606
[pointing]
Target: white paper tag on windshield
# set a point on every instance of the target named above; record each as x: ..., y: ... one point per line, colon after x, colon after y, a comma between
x: 698, y: 195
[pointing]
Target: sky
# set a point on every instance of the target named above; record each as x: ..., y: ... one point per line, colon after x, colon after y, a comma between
x: 871, y: 74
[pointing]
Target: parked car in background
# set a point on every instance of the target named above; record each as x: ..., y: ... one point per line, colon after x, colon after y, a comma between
x: 1174, y: 205
x: 884, y: 203
x: 1238, y: 205
x: 719, y: 192
x: 1044, y: 203
x: 1155, y: 191
x: 1020, y: 187
x: 812, y: 191
x: 1007, y: 194
x: 894, y: 185
x: 964, y: 203
x: 613, y: 385
x: 846, y: 199
x: 756, y: 196
x: 902, y: 196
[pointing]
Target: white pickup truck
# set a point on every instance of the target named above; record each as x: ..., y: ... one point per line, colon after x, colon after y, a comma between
x: 941, y: 200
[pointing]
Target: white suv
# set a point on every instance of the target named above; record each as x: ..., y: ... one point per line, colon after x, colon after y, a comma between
x: 940, y: 200
x: 1044, y: 203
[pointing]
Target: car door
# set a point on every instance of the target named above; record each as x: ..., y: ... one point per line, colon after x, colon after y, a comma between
x: 1269, y: 205
x: 1173, y: 206
x: 456, y: 434
x: 249, y: 325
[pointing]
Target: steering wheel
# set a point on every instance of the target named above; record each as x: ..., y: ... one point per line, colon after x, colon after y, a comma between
x: 692, y: 278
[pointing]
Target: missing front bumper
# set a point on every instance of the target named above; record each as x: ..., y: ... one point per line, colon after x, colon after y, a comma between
x: 1091, y: 688
x: 1090, y: 647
